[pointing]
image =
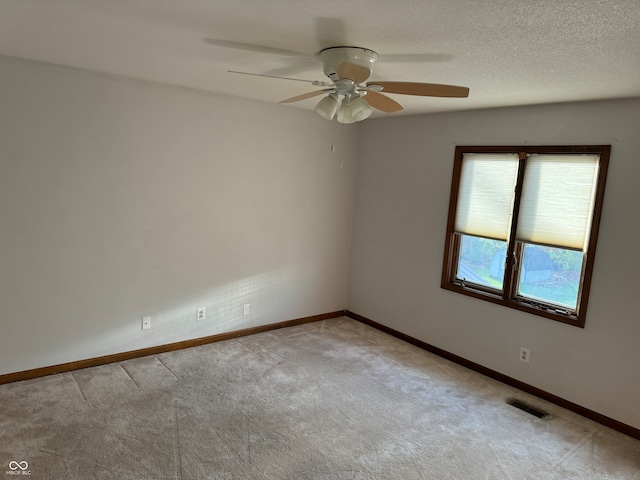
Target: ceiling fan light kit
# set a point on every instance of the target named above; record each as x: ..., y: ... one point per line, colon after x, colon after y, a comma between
x: 354, y: 110
x: 328, y: 106
x: 348, y: 68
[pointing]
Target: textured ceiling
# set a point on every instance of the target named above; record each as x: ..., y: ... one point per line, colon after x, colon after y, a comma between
x: 508, y: 52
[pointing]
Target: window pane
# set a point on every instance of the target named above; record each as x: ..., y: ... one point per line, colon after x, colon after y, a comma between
x: 551, y: 275
x: 481, y: 261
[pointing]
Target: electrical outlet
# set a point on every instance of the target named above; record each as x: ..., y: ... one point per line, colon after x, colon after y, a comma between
x: 247, y: 309
x: 201, y: 313
x: 146, y: 323
x: 525, y: 354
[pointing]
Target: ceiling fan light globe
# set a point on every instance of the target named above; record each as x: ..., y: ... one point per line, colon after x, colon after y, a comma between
x: 360, y: 109
x: 327, y: 107
x: 345, y: 114
x: 363, y: 114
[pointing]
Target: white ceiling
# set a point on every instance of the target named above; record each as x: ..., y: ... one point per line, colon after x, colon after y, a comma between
x: 508, y: 52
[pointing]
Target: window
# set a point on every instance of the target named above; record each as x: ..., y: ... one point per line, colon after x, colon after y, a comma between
x: 523, y: 224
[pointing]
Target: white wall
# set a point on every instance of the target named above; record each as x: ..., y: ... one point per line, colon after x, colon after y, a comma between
x: 402, y: 197
x: 120, y: 199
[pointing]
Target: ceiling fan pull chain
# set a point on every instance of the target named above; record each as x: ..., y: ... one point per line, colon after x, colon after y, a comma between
x: 333, y: 134
x: 341, y: 144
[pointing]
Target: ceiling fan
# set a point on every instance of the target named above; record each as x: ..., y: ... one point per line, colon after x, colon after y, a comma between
x: 348, y: 68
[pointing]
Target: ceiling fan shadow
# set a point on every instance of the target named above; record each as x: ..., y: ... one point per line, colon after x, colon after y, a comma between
x: 330, y: 32
x: 295, y: 68
x: 254, y: 48
x: 415, y: 57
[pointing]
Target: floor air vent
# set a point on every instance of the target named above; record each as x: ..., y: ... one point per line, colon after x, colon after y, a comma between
x: 536, y: 412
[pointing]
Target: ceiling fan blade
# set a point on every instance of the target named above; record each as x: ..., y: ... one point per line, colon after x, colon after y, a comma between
x: 353, y: 72
x: 423, y: 89
x: 304, y: 96
x: 312, y: 82
x: 254, y: 48
x: 382, y: 102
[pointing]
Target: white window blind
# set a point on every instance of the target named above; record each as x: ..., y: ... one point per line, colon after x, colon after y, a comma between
x: 557, y: 200
x: 486, y: 193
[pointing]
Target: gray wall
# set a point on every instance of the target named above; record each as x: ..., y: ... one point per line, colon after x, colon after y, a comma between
x: 402, y: 197
x: 121, y: 199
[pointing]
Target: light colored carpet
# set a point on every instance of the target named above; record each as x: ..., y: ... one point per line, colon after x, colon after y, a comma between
x: 328, y: 400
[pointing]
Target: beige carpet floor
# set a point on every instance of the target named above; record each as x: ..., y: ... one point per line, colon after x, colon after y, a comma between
x: 334, y: 399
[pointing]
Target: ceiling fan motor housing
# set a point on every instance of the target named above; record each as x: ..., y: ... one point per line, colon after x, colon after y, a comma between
x: 334, y: 56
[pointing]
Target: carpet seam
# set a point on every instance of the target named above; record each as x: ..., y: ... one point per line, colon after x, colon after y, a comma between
x: 177, y: 454
x: 75, y: 380
x: 165, y: 366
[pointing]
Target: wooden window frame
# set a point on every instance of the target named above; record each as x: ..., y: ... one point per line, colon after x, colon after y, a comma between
x: 508, y: 295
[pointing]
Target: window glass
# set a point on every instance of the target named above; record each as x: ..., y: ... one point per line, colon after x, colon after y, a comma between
x: 481, y: 261
x: 551, y: 275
